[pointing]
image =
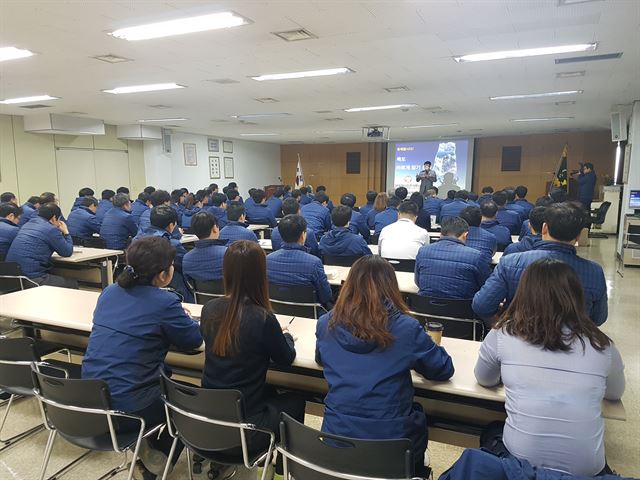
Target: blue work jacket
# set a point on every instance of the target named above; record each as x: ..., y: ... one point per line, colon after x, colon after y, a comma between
x: 341, y: 242
x: 501, y: 232
x: 509, y: 219
x: 275, y: 205
x: 482, y: 240
x: 317, y: 216
x: 358, y: 225
x: 237, y: 231
x: 260, y: 214
x: 103, y: 207
x: 311, y: 243
x: 117, y: 227
x: 138, y: 208
x: 524, y: 245
x: 220, y: 214
x: 82, y: 223
x: 204, y: 261
x: 8, y: 232
x: 384, y: 218
x: 453, y: 209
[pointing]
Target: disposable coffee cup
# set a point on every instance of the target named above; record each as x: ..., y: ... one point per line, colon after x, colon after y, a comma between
x: 434, y: 329
x: 433, y: 219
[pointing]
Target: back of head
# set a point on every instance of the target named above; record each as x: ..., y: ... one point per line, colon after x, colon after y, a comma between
x: 124, y: 190
x: 588, y: 165
x: 290, y: 206
x: 432, y: 192
x: 435, y: 189
x: 363, y: 306
x: 321, y: 197
x: 473, y: 196
x: 86, y: 192
x: 488, y: 209
x: 371, y: 196
x: 202, y: 223
x: 321, y: 188
x: 233, y: 186
x: 536, y: 218
x: 341, y: 215
x: 500, y: 198
x: 521, y: 191
x: 89, y: 202
x: 418, y: 199
x: 292, y: 227
x: 472, y: 216
x: 213, y: 187
x: 451, y: 194
x: 143, y: 197
x: 558, y: 195
x: 393, y: 202
x: 149, y: 190
x: 565, y: 220
x: 233, y: 194
x: 159, y: 197
x: 34, y: 200
x: 217, y: 199
x: 49, y: 210
x: 408, y: 209
x: 235, y: 210
x: 296, y: 194
x: 487, y: 190
x: 47, y: 197
x: 544, y: 201
x: 121, y: 200
x: 107, y: 194
x: 279, y: 193
x: 382, y: 201
x: 201, y: 195
x: 146, y: 258
x: 348, y: 200
x: 453, y: 227
x: 287, y: 188
x: 176, y: 195
x: 511, y: 195
x: 8, y: 197
x: 258, y: 195
x: 401, y: 193
x: 462, y: 195
x: 549, y: 301
x: 8, y: 208
x: 162, y: 216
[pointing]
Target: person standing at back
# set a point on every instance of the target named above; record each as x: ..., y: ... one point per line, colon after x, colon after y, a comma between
x: 402, y: 240
x: 118, y: 225
x: 586, y: 185
x: 291, y: 207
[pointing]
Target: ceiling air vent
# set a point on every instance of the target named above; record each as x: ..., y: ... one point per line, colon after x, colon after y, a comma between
x: 224, y: 81
x: 35, y: 106
x: 266, y: 100
x: 295, y: 35
x: 402, y: 88
x: 111, y: 58
x: 589, y: 58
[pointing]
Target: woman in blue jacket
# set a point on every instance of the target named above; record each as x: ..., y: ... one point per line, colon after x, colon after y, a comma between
x: 134, y: 324
x: 368, y: 346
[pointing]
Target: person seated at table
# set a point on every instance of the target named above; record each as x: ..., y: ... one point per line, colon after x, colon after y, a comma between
x: 243, y: 338
x: 124, y: 190
x: 515, y: 207
x: 317, y: 214
x: 543, y: 201
x: 218, y: 208
x: 562, y: 225
x: 291, y: 207
x: 287, y: 192
x: 521, y: 194
x: 249, y: 201
x: 135, y: 322
x: 194, y: 204
x: 454, y: 208
x: 292, y: 265
x: 379, y: 205
x: 433, y: 204
x: 358, y: 222
x: 28, y: 209
x: 487, y: 195
x: 341, y: 241
x: 141, y: 205
x: 505, y: 217
x: 423, y: 220
x: 204, y: 261
x: 50, y: 197
x: 157, y: 198
x: 118, y: 225
x: 178, y: 196
x: 84, y: 192
x: 490, y: 223
x: 388, y: 216
x: 322, y: 188
x: 234, y: 196
x: 9, y: 226
x: 105, y: 204
x: 8, y: 197
x: 236, y: 228
x: 479, y: 238
x: 536, y: 219
x: 274, y: 204
x: 401, y: 193
x: 36, y: 241
x: 556, y: 367
x: 448, y: 268
x: 368, y: 345
x: 402, y: 240
x: 82, y: 221
x: 305, y: 196
x: 451, y: 195
x: 367, y: 207
x: 257, y: 211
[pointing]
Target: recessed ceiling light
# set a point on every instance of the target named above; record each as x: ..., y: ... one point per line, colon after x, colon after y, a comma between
x: 144, y: 88
x: 543, y: 119
x: 381, y: 107
x: 579, y: 73
x: 402, y: 88
x: 35, y: 98
x: 568, y: 102
x: 589, y: 58
x: 150, y: 120
x: 181, y: 26
x: 306, y: 74
x: 432, y: 126
x: 12, y: 53
x: 223, y: 81
x: 536, y: 95
x: 111, y: 58
x: 260, y: 115
x: 266, y: 100
x: 258, y: 134
x: 527, y: 52
x: 334, y: 119
x: 295, y: 35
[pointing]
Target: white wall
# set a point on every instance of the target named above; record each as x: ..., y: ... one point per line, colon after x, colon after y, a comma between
x: 633, y: 183
x: 255, y: 164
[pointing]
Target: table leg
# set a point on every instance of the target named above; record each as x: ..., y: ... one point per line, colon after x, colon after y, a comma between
x: 106, y: 272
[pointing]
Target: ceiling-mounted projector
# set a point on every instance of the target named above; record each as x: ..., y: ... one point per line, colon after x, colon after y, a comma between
x: 376, y: 132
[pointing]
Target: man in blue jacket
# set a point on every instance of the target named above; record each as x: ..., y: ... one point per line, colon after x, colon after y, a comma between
x: 292, y: 265
x: 487, y: 195
x: 479, y: 238
x: 29, y: 209
x: 204, y: 261
x: 305, y: 197
x: 177, y: 203
x: 157, y: 198
x: 291, y: 207
x: 218, y: 208
x: 357, y: 223
x: 118, y: 224
x: 9, y: 220
x: 521, y: 193
x: 515, y: 207
x: 105, y: 204
x: 317, y: 214
x: 32, y: 248
x: 275, y: 203
x: 236, y: 229
x: 82, y: 221
x: 388, y: 215
x: 432, y: 203
x: 563, y: 223
x: 505, y: 217
x: 490, y: 223
x: 84, y: 192
x: 448, y: 268
x: 454, y: 208
x: 141, y: 205
x: 366, y: 208
x: 340, y: 241
x: 586, y: 185
x: 526, y: 243
x: 257, y: 211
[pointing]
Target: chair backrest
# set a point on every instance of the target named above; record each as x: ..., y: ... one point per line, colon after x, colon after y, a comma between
x: 601, y: 215
x: 313, y: 455
x: 206, y: 290
x: 373, y: 239
x: 94, y: 242
x: 402, y: 265
x: 12, y: 279
x: 340, y: 260
x: 295, y: 300
x: 16, y: 356
x: 456, y: 315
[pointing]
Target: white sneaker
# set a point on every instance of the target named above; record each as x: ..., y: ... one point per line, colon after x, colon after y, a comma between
x: 154, y: 460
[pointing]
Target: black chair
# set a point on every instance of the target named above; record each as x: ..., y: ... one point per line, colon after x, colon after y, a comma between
x: 12, y: 279
x: 212, y: 425
x: 295, y: 300
x: 94, y: 242
x: 80, y: 411
x: 340, y: 260
x: 457, y: 316
x: 598, y: 217
x: 207, y: 290
x: 312, y: 455
x: 402, y: 265
x: 373, y: 239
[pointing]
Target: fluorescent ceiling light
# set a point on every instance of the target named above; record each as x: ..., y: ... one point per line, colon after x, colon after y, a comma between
x: 381, y: 107
x: 527, y: 52
x: 536, y: 95
x: 544, y: 119
x: 181, y: 26
x: 162, y: 120
x: 324, y: 132
x: 579, y: 73
x: 36, y: 98
x: 258, y: 134
x: 307, y: 74
x: 259, y: 115
x: 143, y: 88
x: 11, y: 53
x: 432, y: 126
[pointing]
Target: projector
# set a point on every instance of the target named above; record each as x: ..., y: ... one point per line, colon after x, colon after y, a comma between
x: 374, y: 132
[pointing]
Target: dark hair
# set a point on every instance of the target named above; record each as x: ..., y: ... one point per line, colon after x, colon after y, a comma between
x: 348, y: 200
x: 201, y: 195
x: 548, y: 302
x: 321, y: 197
x: 218, y: 199
x: 34, y: 200
x: 290, y: 206
x: 279, y: 192
x: 143, y: 197
x: 258, y: 195
x: 49, y: 210
x: 536, y: 218
x: 500, y: 198
x: 213, y: 187
x: 47, y: 197
x: 473, y: 196
x: 433, y: 187
x: 291, y: 227
x: 235, y: 210
x: 589, y: 165
x: 558, y: 195
x: 393, y: 202
x: 122, y: 190
x: 544, y: 201
x: 381, y: 202
x: 8, y: 197
x: 146, y: 258
x: 88, y: 201
x: 202, y: 223
x: 451, y: 194
x: 368, y: 297
x: 250, y: 192
x: 341, y: 215
x: 401, y: 193
x: 232, y: 193
x: 304, y: 190
x: 565, y: 220
x: 287, y: 188
x: 86, y: 192
x: 7, y: 208
x: 159, y: 197
x: 176, y: 194
x: 521, y: 191
x: 149, y: 190
x: 245, y: 287
x: 453, y: 227
x: 487, y: 189
x: 233, y: 186
x: 463, y: 194
x: 418, y: 199
x: 511, y: 195
x: 432, y: 191
x: 427, y: 163
x: 120, y: 200
x: 472, y: 216
x: 162, y: 216
x: 488, y: 209
x: 321, y: 188
x: 408, y: 208
x: 371, y: 196
x: 296, y: 193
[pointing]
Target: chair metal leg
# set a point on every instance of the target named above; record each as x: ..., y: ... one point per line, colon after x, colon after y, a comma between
x: 170, y: 458
x: 47, y: 453
x: 189, y: 466
x: 136, y: 451
x: 6, y: 443
x: 116, y: 470
x: 69, y: 466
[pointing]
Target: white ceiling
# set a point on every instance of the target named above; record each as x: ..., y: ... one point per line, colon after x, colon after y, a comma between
x: 387, y: 43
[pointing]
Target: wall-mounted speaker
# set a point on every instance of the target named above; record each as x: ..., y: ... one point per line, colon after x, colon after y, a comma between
x: 166, y: 140
x: 618, y: 127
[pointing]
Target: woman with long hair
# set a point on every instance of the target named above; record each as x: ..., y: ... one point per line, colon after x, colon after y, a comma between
x: 556, y: 367
x: 368, y: 345
x: 379, y: 205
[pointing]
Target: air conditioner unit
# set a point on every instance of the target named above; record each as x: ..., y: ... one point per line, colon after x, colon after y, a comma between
x: 139, y: 132
x: 55, y: 123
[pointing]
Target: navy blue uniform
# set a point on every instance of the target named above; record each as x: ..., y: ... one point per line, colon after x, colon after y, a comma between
x: 103, y: 207
x: 483, y: 241
x: 83, y: 223
x: 502, y: 233
x: 384, y: 218
x: 8, y: 232
x: 260, y: 214
x: 317, y: 216
x: 342, y: 242
x: 311, y: 243
x: 117, y: 226
x: 237, y: 231
x: 204, y: 261
x: 138, y: 208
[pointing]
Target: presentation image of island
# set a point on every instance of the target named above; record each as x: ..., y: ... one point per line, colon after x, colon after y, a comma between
x: 448, y: 160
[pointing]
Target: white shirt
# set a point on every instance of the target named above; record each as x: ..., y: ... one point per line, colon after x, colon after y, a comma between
x: 402, y: 240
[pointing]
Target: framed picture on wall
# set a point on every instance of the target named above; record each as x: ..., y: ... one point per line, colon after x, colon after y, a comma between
x: 190, y: 154
x: 213, y: 145
x: 228, y: 167
x: 214, y: 167
x: 227, y: 147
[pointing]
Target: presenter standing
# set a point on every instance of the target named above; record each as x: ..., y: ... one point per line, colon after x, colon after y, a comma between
x: 427, y: 178
x: 586, y: 179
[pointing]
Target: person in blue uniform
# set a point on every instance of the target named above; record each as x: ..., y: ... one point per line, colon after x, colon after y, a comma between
x: 29, y: 208
x: 141, y: 205
x: 118, y: 225
x: 82, y: 221
x: 479, y: 238
x: 586, y: 185
x: 134, y: 325
x: 291, y: 207
x: 258, y: 212
x: 358, y: 222
x: 305, y: 196
x: 526, y: 243
x: 367, y: 207
x: 8, y: 197
x: 218, y: 208
x: 388, y: 215
x: 106, y: 204
x: 236, y: 229
x: 341, y: 241
x: 486, y: 194
x: 379, y: 205
x: 317, y: 214
x: 177, y: 203
x: 204, y: 261
x: 368, y: 345
x: 454, y: 208
x: 490, y: 223
x: 9, y: 226
x: 508, y: 218
x: 275, y: 202
x: 84, y: 192
x: 521, y: 194
x: 432, y: 204
x: 323, y: 189
x: 514, y: 206
x: 157, y: 198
